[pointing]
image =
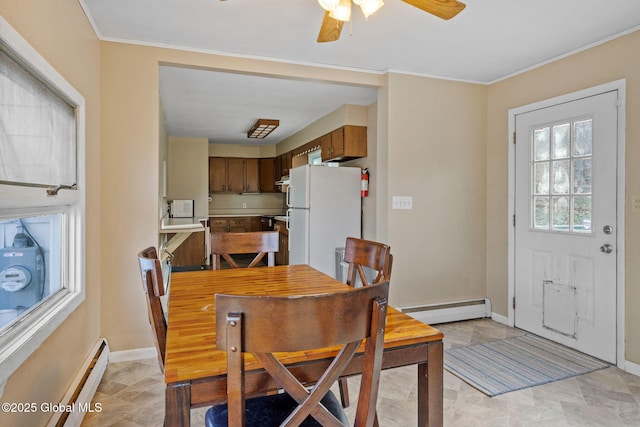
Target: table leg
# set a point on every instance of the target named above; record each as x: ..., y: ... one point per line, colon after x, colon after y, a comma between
x: 430, y: 387
x: 177, y: 410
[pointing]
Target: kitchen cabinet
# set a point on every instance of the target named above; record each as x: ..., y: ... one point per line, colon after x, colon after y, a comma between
x: 234, y: 175
x: 192, y: 252
x: 235, y: 224
x: 283, y: 164
x: 345, y: 143
x: 252, y: 175
x: 268, y: 176
x: 282, y: 256
x: 217, y: 174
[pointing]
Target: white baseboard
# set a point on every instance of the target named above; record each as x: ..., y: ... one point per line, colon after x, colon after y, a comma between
x: 632, y: 368
x: 450, y: 312
x: 500, y: 319
x: 77, y: 401
x: 135, y: 354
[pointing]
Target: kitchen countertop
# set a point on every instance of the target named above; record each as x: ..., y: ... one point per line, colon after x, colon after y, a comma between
x: 178, y: 225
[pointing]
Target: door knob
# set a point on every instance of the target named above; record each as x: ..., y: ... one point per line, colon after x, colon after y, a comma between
x: 606, y: 248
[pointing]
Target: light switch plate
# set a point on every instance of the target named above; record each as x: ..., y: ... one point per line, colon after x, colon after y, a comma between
x: 635, y: 203
x: 402, y: 202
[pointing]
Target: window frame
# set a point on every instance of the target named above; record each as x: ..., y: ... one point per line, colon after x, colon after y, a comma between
x: 22, y: 338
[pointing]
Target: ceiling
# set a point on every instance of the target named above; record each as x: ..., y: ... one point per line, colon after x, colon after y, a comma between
x: 488, y: 41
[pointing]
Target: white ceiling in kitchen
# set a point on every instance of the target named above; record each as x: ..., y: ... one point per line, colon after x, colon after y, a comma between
x: 487, y: 41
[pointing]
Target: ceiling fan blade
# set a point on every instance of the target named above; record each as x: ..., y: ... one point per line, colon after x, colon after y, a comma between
x: 330, y: 29
x: 445, y: 9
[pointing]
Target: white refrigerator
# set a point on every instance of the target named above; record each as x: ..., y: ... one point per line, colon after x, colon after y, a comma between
x: 323, y: 210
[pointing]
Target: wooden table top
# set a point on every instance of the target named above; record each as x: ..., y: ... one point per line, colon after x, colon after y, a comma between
x: 191, y: 351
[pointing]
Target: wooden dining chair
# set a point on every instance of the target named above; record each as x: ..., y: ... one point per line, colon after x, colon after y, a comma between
x: 360, y: 253
x: 260, y: 243
x: 153, y: 285
x: 263, y: 325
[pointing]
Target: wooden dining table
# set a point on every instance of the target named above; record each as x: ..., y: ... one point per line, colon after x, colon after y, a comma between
x: 195, y: 371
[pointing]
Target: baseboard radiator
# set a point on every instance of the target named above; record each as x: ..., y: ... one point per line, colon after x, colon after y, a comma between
x: 76, y: 403
x: 450, y: 312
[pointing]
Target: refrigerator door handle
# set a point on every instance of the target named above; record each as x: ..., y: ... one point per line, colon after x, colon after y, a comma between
x: 288, y: 216
x: 288, y: 196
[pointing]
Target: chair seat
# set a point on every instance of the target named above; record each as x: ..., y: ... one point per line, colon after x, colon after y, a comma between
x: 272, y: 411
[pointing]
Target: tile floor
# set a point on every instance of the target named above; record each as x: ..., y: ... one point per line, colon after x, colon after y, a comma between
x: 132, y: 394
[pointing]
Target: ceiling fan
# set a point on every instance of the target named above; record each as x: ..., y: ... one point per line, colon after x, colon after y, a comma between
x: 337, y: 12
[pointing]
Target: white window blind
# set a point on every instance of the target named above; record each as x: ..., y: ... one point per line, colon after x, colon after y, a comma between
x: 37, y: 130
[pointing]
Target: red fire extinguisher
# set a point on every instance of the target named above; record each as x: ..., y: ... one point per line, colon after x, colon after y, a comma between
x: 364, y: 183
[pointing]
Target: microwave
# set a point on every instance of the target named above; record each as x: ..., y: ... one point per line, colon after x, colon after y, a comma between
x: 181, y: 209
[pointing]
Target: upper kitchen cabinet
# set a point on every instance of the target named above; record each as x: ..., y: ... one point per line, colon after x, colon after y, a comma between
x: 345, y: 143
x: 217, y: 174
x: 251, y: 175
x: 283, y: 164
x: 268, y: 176
x: 235, y: 175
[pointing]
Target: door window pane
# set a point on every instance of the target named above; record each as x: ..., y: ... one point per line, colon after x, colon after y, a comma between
x: 560, y: 214
x: 582, y: 138
x: 541, y: 144
x: 582, y: 214
x: 541, y: 178
x: 541, y: 213
x: 582, y: 176
x: 561, y: 177
x: 561, y: 141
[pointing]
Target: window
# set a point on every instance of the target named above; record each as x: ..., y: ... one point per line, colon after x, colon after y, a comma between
x: 315, y: 157
x: 561, y: 177
x: 41, y: 200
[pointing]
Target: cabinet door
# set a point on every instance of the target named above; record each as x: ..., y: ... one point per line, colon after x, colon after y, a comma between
x: 217, y: 174
x: 252, y: 175
x: 219, y: 225
x: 256, y: 224
x: 337, y: 143
x: 325, y: 147
x: 267, y: 175
x: 191, y: 252
x: 286, y: 163
x: 240, y: 224
x: 235, y: 174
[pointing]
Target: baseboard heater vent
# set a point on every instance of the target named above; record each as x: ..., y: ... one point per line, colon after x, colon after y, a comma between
x: 77, y: 401
x: 450, y: 312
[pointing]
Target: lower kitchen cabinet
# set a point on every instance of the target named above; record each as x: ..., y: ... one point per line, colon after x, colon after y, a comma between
x: 191, y: 253
x: 282, y: 257
x: 235, y: 224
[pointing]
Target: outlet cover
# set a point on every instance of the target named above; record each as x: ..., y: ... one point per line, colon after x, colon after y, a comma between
x: 402, y: 202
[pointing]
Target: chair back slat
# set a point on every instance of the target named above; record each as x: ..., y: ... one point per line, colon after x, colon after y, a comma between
x: 153, y: 285
x: 261, y: 243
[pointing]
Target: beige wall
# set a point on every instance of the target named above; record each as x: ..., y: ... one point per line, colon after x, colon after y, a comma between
x: 436, y: 154
x: 60, y: 32
x: 614, y: 60
x: 188, y: 172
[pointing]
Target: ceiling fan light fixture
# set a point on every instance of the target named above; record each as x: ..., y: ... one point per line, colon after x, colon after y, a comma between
x: 262, y: 128
x: 369, y: 7
x: 329, y: 5
x: 342, y: 12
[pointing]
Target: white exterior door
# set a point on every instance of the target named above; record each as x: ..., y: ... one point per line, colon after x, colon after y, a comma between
x: 565, y: 236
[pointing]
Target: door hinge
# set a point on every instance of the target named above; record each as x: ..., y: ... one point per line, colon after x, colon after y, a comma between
x: 514, y: 220
x: 513, y: 303
x: 514, y: 137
